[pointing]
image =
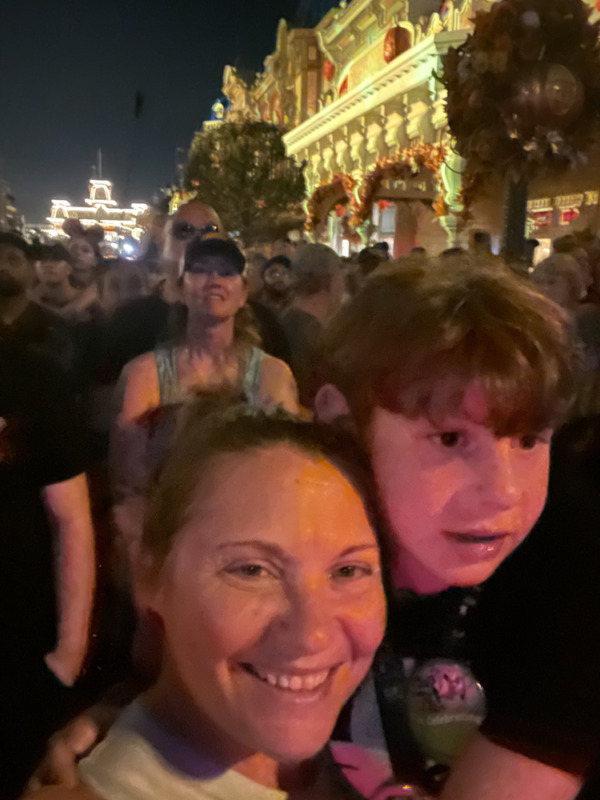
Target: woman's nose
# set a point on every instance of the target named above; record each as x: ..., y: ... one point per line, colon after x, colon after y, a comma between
x: 308, y: 621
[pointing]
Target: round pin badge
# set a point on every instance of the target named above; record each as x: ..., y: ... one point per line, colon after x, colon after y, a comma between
x: 446, y: 705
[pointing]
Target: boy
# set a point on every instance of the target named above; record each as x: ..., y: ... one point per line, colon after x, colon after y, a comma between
x: 454, y: 378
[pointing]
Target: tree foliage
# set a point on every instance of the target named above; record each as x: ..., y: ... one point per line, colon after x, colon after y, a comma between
x: 243, y: 171
x: 524, y: 90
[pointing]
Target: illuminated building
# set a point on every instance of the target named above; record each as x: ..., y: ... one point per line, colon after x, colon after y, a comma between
x: 10, y: 219
x: 99, y: 209
x: 364, y: 112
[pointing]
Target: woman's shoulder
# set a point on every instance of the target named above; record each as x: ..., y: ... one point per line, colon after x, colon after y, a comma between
x: 277, y: 384
x: 141, y: 365
x: 138, y: 388
x: 272, y: 366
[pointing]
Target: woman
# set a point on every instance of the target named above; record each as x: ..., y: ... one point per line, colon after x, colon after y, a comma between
x: 270, y: 607
x: 85, y: 252
x: 218, y: 349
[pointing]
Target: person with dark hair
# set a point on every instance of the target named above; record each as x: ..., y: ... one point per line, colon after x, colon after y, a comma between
x: 27, y: 323
x: 383, y: 248
x: 84, y: 246
x: 480, y: 243
x: 56, y: 291
x: 318, y: 289
x: 47, y: 569
x: 277, y: 283
x: 270, y: 609
x: 219, y: 347
x: 122, y: 283
x: 272, y: 335
x: 369, y: 260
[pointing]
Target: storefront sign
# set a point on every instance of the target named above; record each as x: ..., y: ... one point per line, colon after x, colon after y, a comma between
x: 541, y: 219
x: 567, y: 215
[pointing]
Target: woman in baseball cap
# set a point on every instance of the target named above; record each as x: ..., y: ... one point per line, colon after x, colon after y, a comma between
x: 219, y: 348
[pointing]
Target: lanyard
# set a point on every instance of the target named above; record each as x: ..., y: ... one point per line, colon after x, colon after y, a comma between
x: 429, y: 709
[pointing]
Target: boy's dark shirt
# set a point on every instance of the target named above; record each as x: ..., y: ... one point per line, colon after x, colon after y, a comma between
x: 532, y: 640
x: 535, y: 639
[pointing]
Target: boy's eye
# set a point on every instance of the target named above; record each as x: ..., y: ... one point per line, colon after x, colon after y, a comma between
x: 450, y: 438
x: 529, y: 441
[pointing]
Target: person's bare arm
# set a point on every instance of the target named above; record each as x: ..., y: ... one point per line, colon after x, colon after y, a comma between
x: 277, y: 385
x: 487, y: 771
x: 68, y: 506
x: 137, y: 389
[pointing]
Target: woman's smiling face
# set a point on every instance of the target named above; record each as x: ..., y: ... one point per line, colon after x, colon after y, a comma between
x: 271, y: 602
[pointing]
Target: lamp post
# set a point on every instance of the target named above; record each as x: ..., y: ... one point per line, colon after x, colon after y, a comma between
x: 548, y: 101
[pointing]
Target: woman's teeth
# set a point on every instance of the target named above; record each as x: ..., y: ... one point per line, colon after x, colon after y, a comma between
x: 293, y: 683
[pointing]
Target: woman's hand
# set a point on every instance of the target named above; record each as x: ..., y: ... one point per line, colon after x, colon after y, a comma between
x: 65, y: 748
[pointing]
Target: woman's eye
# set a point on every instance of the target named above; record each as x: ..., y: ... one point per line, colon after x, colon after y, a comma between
x: 248, y: 571
x: 348, y: 572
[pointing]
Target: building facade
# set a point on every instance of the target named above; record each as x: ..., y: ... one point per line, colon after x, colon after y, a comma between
x: 99, y: 209
x: 10, y: 218
x: 364, y: 112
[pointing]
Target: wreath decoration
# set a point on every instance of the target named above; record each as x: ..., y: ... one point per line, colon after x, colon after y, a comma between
x: 524, y: 90
x: 406, y: 164
x: 313, y: 218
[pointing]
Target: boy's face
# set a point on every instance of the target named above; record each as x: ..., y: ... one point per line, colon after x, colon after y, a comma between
x: 458, y: 499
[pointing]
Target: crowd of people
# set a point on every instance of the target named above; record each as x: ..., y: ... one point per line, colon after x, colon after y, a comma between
x: 286, y: 525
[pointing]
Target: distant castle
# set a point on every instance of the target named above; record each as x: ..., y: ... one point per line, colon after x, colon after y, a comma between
x: 99, y: 209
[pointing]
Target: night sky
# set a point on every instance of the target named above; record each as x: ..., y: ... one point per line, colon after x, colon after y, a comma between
x: 69, y: 72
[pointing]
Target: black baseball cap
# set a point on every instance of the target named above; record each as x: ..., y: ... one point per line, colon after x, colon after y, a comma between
x: 11, y: 239
x: 55, y: 252
x: 222, y: 254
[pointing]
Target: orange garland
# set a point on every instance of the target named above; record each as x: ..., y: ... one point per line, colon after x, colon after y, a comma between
x: 340, y: 178
x: 406, y: 163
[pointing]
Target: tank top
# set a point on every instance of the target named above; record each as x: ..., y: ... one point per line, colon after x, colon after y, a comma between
x: 170, y: 387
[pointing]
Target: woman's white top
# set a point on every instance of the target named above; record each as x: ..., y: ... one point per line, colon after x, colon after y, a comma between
x: 140, y: 759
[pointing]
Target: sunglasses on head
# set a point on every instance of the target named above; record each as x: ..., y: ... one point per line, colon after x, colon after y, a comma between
x: 183, y: 231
